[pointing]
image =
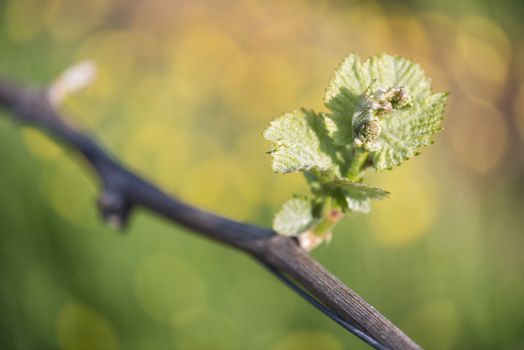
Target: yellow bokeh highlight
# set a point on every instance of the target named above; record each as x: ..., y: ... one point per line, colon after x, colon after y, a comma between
x: 486, y: 29
x: 218, y: 184
x: 434, y: 325
x: 277, y: 96
x: 172, y: 160
x: 158, y: 148
x: 376, y: 31
x: 160, y: 151
x: 479, y: 136
x: 440, y: 30
x: 85, y: 110
x: 250, y: 173
x: 201, y: 58
x: 237, y: 197
x: 169, y: 289
x: 114, y: 54
x: 365, y: 24
x: 79, y: 327
x: 70, y: 19
x: 492, y: 67
x: 161, y: 18
x: 70, y: 190
x: 208, y: 178
x: 23, y: 18
x: 409, y: 37
x: 40, y: 144
x: 440, y: 26
x: 157, y: 99
x: 291, y: 19
x: 308, y: 340
x: 409, y: 213
x: 480, y: 67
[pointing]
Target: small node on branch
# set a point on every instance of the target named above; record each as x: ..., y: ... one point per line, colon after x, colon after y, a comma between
x: 70, y: 81
x: 114, y: 209
x: 310, y: 240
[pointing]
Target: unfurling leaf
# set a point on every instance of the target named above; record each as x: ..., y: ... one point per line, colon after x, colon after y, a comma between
x: 295, y: 217
x: 358, y: 196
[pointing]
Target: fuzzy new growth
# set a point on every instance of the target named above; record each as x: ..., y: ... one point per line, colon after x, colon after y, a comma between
x: 376, y: 105
x: 382, y: 111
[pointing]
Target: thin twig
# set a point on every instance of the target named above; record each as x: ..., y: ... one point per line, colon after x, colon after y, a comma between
x: 122, y: 191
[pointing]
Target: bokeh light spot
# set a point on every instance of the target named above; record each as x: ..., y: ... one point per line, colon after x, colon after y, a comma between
x: 492, y: 67
x: 23, y: 18
x: 483, y: 27
x: 202, y: 56
x: 160, y: 150
x: 70, y: 19
x: 478, y: 136
x: 276, y: 96
x: 114, y: 54
x: 479, y: 68
x: 209, y: 177
x: 70, y: 191
x: 410, y: 211
x: 40, y: 145
x: 409, y: 37
x: 80, y: 327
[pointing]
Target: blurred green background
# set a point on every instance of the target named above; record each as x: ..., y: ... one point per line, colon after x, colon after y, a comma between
x: 184, y: 91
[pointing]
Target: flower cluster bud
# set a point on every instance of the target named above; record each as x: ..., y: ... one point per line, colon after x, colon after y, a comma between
x: 373, y: 107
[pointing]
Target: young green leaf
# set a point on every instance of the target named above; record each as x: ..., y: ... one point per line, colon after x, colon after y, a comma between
x: 388, y: 103
x: 295, y: 217
x: 345, y: 89
x: 357, y: 196
x: 405, y: 131
x: 297, y: 143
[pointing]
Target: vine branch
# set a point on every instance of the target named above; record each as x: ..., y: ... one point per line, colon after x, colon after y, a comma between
x: 122, y: 191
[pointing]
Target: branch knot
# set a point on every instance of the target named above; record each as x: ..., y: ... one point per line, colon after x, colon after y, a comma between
x: 114, y: 208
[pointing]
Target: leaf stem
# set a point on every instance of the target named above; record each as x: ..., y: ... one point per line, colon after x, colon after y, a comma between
x: 330, y: 215
x: 354, y: 172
